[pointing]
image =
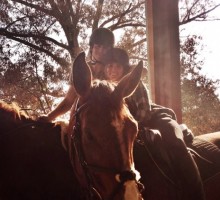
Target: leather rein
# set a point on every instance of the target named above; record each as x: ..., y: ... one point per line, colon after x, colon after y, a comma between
x: 87, y: 168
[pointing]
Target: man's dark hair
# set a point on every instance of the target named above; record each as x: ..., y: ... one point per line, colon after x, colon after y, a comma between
x: 102, y: 36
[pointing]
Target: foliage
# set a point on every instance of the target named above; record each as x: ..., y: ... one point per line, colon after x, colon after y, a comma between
x: 40, y: 39
x: 200, y: 104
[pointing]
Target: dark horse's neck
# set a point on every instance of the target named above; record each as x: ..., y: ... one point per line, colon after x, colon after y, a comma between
x: 34, y: 164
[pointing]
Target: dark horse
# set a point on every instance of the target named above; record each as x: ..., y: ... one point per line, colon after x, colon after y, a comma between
x: 157, y: 173
x: 35, y: 166
x: 33, y: 163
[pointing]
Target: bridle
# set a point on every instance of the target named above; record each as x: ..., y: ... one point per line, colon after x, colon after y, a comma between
x: 123, y: 176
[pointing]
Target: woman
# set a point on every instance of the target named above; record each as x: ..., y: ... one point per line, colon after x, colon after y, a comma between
x: 139, y: 102
x: 149, y: 117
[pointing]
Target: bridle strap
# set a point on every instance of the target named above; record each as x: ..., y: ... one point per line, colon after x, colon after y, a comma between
x: 78, y: 109
x: 76, y: 143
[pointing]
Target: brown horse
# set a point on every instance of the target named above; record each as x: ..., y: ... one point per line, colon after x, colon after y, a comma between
x: 101, y: 143
x: 100, y: 124
x: 33, y: 164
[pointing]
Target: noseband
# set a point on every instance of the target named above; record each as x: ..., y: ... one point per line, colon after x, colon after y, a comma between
x: 121, y: 177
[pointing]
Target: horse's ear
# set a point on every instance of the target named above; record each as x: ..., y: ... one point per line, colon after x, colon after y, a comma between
x: 82, y: 76
x: 129, y: 83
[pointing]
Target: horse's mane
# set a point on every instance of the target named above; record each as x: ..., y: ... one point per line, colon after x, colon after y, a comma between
x: 11, y: 111
x: 100, y: 97
x: 102, y: 87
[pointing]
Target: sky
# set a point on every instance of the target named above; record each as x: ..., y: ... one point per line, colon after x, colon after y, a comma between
x: 210, y: 32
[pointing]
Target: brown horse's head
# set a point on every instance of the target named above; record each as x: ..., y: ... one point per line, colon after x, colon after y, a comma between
x: 104, y: 134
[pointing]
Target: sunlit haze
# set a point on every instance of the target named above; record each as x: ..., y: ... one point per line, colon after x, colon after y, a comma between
x: 210, y: 32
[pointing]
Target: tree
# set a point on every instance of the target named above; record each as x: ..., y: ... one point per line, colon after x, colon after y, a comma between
x: 196, y: 10
x: 40, y: 39
x: 199, y: 101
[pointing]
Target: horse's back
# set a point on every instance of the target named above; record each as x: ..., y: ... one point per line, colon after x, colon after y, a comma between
x: 211, y: 137
x: 208, y: 146
x: 34, y: 165
x: 208, y: 162
x: 211, y: 187
x: 157, y: 176
x: 206, y: 152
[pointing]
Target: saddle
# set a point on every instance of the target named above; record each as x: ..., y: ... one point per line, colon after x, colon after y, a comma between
x: 153, y: 136
x: 206, y: 155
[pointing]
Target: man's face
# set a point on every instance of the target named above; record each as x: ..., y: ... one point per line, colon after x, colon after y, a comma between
x: 99, y: 52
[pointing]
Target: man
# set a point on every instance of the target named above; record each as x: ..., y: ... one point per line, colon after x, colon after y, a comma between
x: 101, y: 41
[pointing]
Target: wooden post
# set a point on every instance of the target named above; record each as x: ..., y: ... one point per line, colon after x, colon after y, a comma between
x: 163, y: 53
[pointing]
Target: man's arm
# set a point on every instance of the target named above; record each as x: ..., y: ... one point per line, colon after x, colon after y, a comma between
x: 64, y: 105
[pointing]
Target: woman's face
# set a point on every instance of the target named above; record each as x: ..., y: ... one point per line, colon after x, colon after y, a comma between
x: 114, y: 72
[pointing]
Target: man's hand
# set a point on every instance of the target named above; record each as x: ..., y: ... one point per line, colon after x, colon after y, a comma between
x: 44, y: 118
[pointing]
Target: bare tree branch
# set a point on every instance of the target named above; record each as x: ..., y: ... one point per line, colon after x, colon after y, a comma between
x: 127, y: 25
x: 60, y: 61
x: 138, y: 42
x: 189, y: 11
x: 46, y: 11
x: 200, y: 15
x: 97, y: 14
x: 138, y: 58
x: 128, y: 10
x: 72, y: 15
x: 41, y: 85
x: 42, y: 37
x: 113, y: 27
x: 10, y: 24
